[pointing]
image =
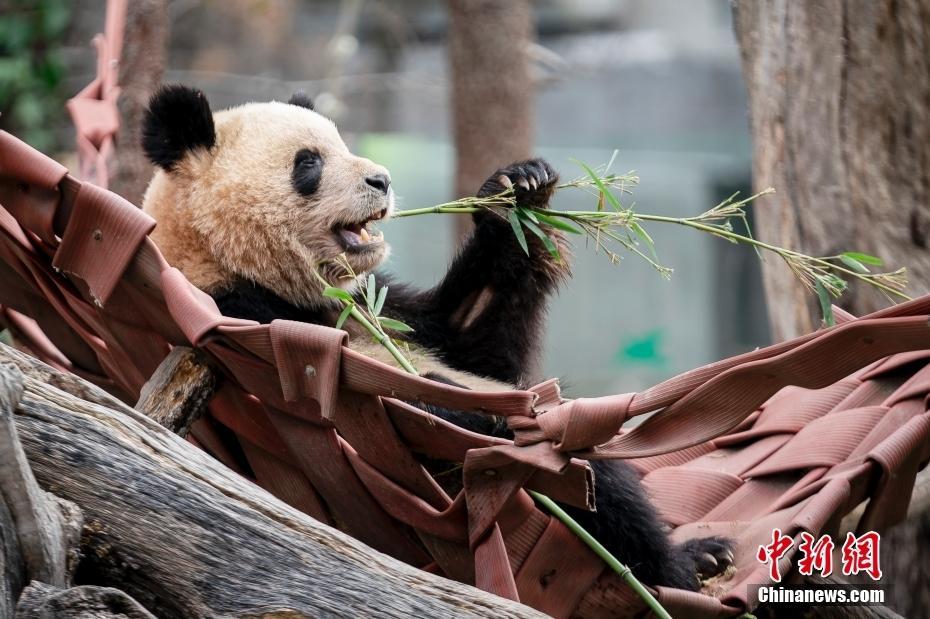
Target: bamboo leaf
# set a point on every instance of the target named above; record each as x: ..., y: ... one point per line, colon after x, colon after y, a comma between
x: 337, y: 293
x: 549, y: 243
x: 605, y: 192
x: 379, y: 303
x: 644, y: 236
x: 558, y: 222
x: 343, y: 316
x: 863, y: 258
x: 526, y: 213
x: 395, y: 325
x: 514, y: 220
x: 370, y: 295
x: 853, y: 264
x: 611, y: 162
x: 826, y: 307
x: 836, y: 282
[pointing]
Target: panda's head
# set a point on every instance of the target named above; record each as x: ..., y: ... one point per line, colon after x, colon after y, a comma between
x: 265, y: 192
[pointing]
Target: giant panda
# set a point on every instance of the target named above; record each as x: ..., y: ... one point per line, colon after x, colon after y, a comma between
x: 250, y: 200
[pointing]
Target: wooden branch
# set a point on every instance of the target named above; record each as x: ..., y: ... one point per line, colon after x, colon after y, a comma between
x: 178, y: 392
x: 41, y: 601
x: 45, y: 528
x: 187, y: 537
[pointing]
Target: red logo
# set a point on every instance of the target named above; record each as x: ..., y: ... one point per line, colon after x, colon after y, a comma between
x: 815, y: 555
x: 860, y: 554
x: 773, y: 552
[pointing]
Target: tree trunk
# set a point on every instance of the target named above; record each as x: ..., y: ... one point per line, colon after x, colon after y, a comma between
x: 185, y: 536
x: 492, y: 89
x: 839, y: 93
x: 142, y: 68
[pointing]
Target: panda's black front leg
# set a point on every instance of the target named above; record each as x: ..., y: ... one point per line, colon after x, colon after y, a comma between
x: 485, y: 316
x: 629, y: 527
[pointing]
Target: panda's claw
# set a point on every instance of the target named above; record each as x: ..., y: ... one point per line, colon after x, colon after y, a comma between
x: 711, y: 555
x: 532, y: 182
x: 706, y: 564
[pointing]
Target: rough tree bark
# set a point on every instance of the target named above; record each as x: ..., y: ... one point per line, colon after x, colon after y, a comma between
x: 186, y: 537
x: 492, y: 89
x: 179, y: 390
x: 839, y: 93
x: 142, y: 67
x: 37, y: 530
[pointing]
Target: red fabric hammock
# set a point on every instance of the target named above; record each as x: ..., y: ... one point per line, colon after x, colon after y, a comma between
x: 792, y: 436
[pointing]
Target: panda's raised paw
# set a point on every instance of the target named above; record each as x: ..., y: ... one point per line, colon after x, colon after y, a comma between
x: 532, y: 180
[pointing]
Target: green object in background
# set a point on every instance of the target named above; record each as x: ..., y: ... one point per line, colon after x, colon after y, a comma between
x: 31, y: 70
x: 643, y: 349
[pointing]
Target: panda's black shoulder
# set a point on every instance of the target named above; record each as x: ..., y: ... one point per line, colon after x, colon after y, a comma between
x: 247, y: 300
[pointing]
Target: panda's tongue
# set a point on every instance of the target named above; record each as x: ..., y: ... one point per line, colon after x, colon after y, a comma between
x: 355, y: 237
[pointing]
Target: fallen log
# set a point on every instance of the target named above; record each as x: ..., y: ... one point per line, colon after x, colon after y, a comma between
x: 186, y: 537
x: 41, y: 601
x: 39, y: 532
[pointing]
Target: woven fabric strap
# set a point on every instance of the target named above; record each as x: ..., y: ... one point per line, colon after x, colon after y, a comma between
x: 93, y: 110
x: 101, y: 239
x: 590, y: 428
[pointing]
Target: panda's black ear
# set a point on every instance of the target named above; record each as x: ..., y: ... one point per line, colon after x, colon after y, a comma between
x: 178, y: 120
x: 302, y: 99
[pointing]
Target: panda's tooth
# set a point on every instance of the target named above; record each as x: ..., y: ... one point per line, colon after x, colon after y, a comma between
x: 364, y: 234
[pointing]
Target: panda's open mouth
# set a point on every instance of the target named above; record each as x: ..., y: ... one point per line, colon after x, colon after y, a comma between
x: 356, y: 236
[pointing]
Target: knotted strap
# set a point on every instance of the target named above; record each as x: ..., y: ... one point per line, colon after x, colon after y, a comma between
x: 93, y: 110
x: 576, y: 424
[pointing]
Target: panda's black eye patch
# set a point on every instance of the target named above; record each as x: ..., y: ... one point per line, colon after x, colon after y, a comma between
x: 308, y: 170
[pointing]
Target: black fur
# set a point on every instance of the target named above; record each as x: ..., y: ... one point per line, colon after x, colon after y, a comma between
x: 248, y: 300
x: 301, y: 99
x: 307, y: 172
x: 499, y: 343
x: 178, y: 120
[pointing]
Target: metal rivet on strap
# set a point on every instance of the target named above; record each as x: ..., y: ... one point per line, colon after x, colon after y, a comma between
x: 98, y: 235
x: 310, y: 371
x: 490, y: 472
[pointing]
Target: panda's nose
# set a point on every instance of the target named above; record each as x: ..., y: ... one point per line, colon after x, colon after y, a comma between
x: 379, y: 181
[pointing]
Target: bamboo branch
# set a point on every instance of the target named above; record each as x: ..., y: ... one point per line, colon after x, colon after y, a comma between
x: 621, y: 225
